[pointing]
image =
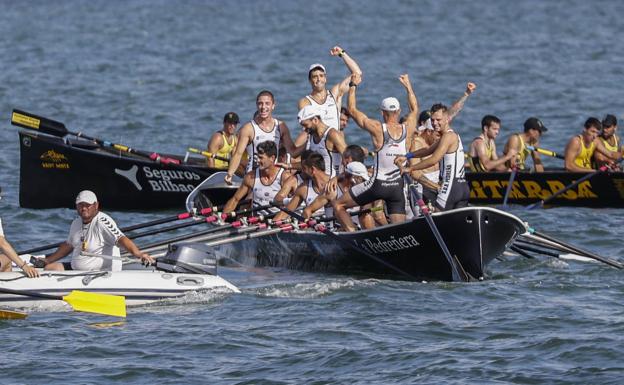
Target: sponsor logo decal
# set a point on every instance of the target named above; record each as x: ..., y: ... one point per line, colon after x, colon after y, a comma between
x: 131, y: 175
x: 529, y: 189
x: 52, y: 159
x: 378, y: 245
x: 161, y: 180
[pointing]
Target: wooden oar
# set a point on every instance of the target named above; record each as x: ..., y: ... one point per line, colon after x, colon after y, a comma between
x: 186, y: 215
x: 12, y: 314
x: 114, y: 305
x: 453, y: 262
x: 350, y: 244
x: 52, y: 127
x: 545, y: 152
x: 512, y: 176
x: 208, y: 154
x: 590, y: 175
x: 579, y: 251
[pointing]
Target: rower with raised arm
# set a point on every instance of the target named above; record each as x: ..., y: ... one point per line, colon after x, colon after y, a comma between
x: 390, y: 139
x: 263, y: 127
x: 95, y: 233
x: 609, y: 139
x: 223, y: 142
x: 581, y: 148
x: 449, y: 152
x: 533, y: 130
x: 482, y: 153
x: 264, y: 183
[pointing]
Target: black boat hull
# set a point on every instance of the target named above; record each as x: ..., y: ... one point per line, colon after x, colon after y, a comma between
x: 476, y: 235
x: 52, y: 172
x: 605, y: 189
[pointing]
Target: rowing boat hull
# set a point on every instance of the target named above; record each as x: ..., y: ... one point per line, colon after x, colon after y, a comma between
x: 476, y: 235
x: 53, y: 172
x: 138, y: 286
x: 605, y: 189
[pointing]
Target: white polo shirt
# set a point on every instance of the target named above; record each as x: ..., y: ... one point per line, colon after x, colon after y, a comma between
x: 99, y: 236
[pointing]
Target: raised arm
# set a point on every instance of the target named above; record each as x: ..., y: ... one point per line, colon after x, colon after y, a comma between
x: 341, y: 88
x: 459, y: 103
x: 411, y: 118
x: 360, y: 118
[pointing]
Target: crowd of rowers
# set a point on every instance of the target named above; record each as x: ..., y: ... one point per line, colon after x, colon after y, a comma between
x: 416, y: 156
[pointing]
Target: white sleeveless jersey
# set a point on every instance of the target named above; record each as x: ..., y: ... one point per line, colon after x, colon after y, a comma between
x: 331, y: 167
x: 259, y: 136
x: 451, y: 169
x: 311, y: 195
x: 262, y: 194
x: 331, y: 114
x: 385, y: 169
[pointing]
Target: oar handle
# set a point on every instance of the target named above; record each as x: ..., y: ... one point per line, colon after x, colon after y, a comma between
x: 208, y: 154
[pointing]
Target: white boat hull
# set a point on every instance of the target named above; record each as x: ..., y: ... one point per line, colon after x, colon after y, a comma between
x: 139, y: 287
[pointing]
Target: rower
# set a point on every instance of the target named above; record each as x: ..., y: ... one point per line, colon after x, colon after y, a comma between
x: 322, y: 139
x: 223, y: 142
x: 263, y: 127
x: 581, y: 148
x: 264, y: 183
x: 8, y: 256
x: 449, y: 152
x: 329, y: 102
x: 344, y: 120
x: 354, y: 173
x: 609, y: 139
x: 533, y: 130
x: 482, y: 153
x: 313, y: 166
x: 390, y: 139
x: 96, y: 233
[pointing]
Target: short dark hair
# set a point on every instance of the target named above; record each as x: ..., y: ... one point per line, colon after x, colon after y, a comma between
x: 593, y: 122
x: 314, y: 160
x: 343, y: 110
x: 305, y: 154
x: 267, y: 148
x: 609, y: 120
x: 426, y: 114
x: 488, y: 120
x: 355, y: 152
x: 437, y: 107
x: 265, y: 93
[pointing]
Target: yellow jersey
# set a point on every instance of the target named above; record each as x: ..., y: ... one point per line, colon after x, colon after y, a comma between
x: 522, y: 154
x: 584, y: 158
x: 225, y: 152
x: 608, y: 146
x: 475, y: 162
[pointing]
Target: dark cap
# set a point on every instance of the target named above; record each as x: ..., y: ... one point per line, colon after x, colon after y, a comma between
x: 535, y: 124
x: 426, y: 114
x: 231, y: 117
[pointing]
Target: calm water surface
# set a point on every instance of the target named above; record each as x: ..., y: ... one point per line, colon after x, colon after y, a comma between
x: 160, y: 75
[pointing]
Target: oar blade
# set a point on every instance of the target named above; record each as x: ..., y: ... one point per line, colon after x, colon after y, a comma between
x: 34, y: 122
x: 113, y: 305
x: 11, y: 314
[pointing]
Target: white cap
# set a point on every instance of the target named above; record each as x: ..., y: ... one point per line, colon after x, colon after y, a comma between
x: 315, y: 65
x: 86, y: 196
x: 426, y: 126
x: 309, y: 112
x: 390, y: 104
x: 357, y: 169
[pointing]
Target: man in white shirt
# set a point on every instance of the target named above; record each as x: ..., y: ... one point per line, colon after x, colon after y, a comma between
x: 93, y: 233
